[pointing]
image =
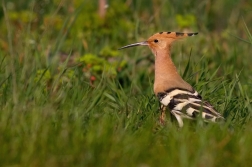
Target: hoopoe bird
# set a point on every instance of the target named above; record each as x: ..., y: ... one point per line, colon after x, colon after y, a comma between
x: 172, y: 91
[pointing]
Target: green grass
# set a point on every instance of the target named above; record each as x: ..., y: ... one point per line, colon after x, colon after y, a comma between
x: 51, y: 115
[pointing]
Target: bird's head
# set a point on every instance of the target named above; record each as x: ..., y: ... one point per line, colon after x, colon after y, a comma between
x: 161, y: 40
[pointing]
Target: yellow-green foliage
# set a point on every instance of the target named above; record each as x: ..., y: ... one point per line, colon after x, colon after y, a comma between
x: 42, y: 76
x: 23, y: 17
x: 106, y: 61
x: 186, y: 21
x: 107, y: 52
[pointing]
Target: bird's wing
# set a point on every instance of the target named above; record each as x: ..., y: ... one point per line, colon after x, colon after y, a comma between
x: 187, y: 104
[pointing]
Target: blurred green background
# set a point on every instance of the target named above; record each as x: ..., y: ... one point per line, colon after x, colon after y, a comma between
x: 68, y: 97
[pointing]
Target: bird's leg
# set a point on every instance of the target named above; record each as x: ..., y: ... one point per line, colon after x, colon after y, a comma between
x: 162, y: 117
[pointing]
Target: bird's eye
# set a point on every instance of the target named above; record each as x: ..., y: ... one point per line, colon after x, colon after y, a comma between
x: 155, y: 40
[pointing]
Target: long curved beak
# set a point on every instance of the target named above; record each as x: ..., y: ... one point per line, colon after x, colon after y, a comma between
x: 135, y: 44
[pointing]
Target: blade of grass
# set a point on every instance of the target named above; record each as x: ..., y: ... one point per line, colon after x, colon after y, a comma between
x: 11, y: 52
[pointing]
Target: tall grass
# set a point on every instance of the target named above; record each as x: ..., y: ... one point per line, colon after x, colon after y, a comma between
x: 51, y: 115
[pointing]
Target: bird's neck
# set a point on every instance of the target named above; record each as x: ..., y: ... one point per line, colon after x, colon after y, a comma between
x: 166, y: 74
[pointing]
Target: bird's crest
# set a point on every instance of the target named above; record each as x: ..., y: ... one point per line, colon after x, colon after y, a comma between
x: 174, y: 35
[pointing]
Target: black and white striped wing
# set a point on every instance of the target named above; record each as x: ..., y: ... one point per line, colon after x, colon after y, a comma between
x: 186, y: 104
